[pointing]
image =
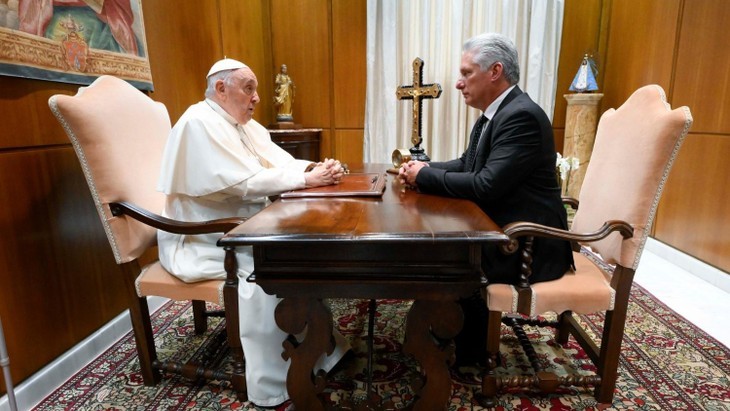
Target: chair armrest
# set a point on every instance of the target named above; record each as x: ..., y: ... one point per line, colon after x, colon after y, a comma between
x: 531, y: 230
x: 222, y: 225
x: 523, y: 228
x: 572, y: 202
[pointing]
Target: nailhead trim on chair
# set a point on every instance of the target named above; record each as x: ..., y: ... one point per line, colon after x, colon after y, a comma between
x: 603, y: 266
x: 87, y: 174
x: 138, y: 287
x: 655, y: 203
x: 220, y: 294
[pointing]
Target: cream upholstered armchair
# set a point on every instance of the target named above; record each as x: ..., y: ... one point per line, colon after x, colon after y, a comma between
x: 634, y: 150
x: 119, y: 135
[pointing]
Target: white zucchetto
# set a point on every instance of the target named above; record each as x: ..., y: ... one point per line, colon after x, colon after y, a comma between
x: 225, y: 64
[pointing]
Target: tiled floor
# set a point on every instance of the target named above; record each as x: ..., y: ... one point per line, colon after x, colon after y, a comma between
x: 696, y: 291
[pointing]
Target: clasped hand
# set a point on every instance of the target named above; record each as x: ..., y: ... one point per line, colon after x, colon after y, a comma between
x: 408, y: 172
x: 327, y: 172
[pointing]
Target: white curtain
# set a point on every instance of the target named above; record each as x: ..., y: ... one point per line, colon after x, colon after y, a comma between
x: 435, y: 30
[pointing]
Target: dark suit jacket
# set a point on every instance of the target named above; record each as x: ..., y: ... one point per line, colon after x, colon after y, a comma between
x: 513, y: 180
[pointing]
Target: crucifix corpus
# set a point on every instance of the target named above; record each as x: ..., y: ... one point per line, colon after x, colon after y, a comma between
x: 417, y: 92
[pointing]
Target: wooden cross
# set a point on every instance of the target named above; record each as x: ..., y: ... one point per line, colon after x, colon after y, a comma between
x: 417, y: 92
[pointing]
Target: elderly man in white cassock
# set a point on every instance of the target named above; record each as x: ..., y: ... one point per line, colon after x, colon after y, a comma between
x: 219, y: 162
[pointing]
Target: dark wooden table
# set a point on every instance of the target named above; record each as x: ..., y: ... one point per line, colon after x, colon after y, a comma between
x: 403, y: 245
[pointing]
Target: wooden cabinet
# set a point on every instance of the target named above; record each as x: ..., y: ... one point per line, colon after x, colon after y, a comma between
x: 302, y: 143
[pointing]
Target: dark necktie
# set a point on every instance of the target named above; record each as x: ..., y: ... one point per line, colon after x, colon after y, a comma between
x: 476, y: 132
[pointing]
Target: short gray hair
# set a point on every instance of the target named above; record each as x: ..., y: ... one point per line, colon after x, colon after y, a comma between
x: 224, y: 75
x: 489, y: 48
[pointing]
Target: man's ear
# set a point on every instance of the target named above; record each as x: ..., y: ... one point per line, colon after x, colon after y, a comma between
x: 220, y: 86
x: 496, y: 71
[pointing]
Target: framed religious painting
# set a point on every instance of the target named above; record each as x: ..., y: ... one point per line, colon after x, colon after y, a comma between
x: 74, y: 41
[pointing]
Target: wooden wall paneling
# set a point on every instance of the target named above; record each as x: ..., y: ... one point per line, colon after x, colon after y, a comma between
x: 640, y: 49
x: 694, y: 213
x: 246, y: 36
x: 183, y: 39
x: 327, y: 145
x: 349, y: 35
x: 26, y: 118
x: 581, y: 32
x: 300, y: 39
x: 58, y: 279
x: 91, y: 276
x: 702, y: 79
x: 348, y: 145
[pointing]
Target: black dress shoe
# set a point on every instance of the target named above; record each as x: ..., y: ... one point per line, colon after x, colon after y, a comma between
x: 471, y: 342
x: 470, y: 356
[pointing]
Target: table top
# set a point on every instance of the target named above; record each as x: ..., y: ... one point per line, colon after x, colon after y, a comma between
x: 399, y: 215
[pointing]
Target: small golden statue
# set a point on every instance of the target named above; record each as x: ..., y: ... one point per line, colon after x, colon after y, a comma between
x: 284, y: 96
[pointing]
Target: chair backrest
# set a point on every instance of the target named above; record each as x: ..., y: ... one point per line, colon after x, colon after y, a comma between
x: 634, y: 150
x: 119, y: 135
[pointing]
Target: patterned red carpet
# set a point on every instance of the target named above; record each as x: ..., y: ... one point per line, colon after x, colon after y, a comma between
x: 666, y: 364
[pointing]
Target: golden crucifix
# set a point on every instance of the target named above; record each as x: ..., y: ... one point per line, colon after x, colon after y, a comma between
x: 417, y: 92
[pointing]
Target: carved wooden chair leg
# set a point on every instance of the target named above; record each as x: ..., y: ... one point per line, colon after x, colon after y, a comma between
x: 562, y: 333
x: 201, y: 315
x: 139, y: 313
x: 494, y: 327
x: 200, y: 318
x: 490, y: 383
x: 608, y: 364
x: 145, y: 342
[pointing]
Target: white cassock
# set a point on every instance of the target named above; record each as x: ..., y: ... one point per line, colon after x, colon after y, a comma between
x: 212, y: 168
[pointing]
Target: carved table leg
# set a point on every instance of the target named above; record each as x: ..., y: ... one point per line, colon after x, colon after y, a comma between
x: 426, y: 320
x: 292, y: 316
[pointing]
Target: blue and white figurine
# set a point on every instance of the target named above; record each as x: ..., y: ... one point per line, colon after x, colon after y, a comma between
x: 585, y: 78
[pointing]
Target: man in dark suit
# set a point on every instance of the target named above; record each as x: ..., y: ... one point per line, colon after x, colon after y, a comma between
x: 508, y: 170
